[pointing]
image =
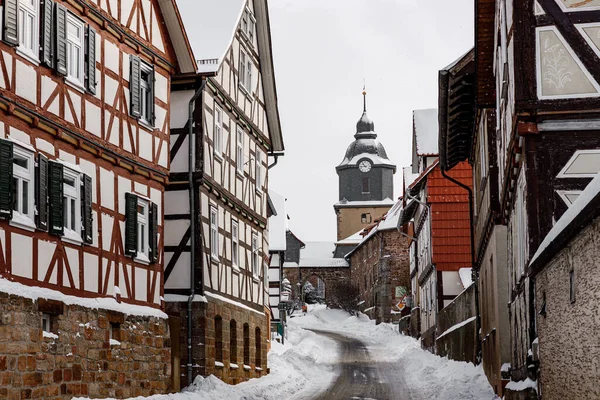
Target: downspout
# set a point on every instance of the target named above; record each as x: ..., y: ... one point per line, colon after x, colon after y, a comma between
x: 475, y: 271
x: 191, y: 188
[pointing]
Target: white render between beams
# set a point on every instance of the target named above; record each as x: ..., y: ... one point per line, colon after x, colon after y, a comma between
x: 235, y: 303
x: 104, y: 303
x: 426, y: 131
x: 278, y: 223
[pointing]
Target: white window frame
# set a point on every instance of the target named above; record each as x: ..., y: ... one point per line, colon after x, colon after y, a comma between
x: 75, y: 65
x: 46, y: 319
x: 22, y: 175
x: 248, y: 25
x: 235, y: 244
x: 28, y: 17
x: 245, y: 72
x: 255, y: 257
x: 143, y: 230
x: 239, y: 159
x: 72, y: 205
x: 146, y: 93
x: 214, y: 233
x: 258, y: 172
x: 218, y: 131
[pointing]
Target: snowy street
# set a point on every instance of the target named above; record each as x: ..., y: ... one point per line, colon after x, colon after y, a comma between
x: 331, y: 355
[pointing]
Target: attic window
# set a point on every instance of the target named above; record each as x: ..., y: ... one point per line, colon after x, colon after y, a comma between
x: 365, y: 218
x: 248, y: 24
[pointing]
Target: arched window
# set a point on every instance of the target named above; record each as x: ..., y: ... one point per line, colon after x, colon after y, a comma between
x: 233, y: 341
x: 218, y: 338
x: 258, y: 352
x: 246, y: 344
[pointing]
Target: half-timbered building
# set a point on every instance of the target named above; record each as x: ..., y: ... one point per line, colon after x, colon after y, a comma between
x: 224, y: 127
x: 84, y: 143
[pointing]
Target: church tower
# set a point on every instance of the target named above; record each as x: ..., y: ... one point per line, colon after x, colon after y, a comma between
x: 366, y: 180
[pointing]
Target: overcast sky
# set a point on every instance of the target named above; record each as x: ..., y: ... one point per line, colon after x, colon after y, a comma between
x: 323, y: 51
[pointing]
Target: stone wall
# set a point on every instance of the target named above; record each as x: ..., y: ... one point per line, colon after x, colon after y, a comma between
x: 569, y: 349
x: 329, y: 275
x: 239, y: 364
x: 77, y: 358
x: 458, y: 343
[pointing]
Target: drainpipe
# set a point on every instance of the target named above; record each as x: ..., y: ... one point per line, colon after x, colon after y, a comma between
x: 191, y: 187
x: 475, y: 271
x: 276, y: 156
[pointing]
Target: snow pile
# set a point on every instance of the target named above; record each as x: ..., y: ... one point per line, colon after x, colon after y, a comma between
x: 427, y: 375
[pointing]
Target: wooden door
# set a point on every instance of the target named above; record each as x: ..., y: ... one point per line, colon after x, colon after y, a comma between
x: 175, y: 328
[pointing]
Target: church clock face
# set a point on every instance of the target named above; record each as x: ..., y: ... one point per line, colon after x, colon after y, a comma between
x: 364, y: 166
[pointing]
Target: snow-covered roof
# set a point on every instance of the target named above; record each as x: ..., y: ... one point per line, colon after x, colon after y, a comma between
x: 278, y: 223
x: 372, y: 203
x: 323, y: 262
x: 210, y: 26
x: 375, y: 159
x: 465, y: 277
x: 356, y: 238
x: 290, y: 264
x: 426, y: 129
x: 317, y: 250
x: 408, y: 176
x: 584, y: 206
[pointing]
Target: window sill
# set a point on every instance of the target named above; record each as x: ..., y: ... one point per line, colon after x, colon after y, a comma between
x: 245, y: 91
x: 218, y: 156
x: 259, y: 192
x: 146, y: 124
x: 28, y: 56
x: 72, y: 237
x: 142, y: 259
x: 239, y: 173
x: 234, y: 366
x: 255, y: 278
x: 259, y: 369
x: 214, y: 258
x: 247, y: 367
x: 219, y: 364
x: 22, y: 221
x: 235, y: 268
x: 75, y: 84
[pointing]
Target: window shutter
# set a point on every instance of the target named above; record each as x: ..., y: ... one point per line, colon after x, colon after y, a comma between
x: 61, y: 39
x: 130, y: 224
x: 6, y: 179
x: 90, y: 76
x: 11, y: 30
x: 86, y: 210
x: 134, y: 87
x: 152, y: 105
x: 41, y: 200
x: 153, y: 216
x: 47, y: 30
x: 55, y: 175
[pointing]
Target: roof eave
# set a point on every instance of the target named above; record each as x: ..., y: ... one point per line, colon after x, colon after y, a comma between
x: 178, y: 35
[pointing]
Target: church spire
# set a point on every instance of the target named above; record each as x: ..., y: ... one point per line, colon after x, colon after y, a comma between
x: 365, y: 128
x: 364, y: 99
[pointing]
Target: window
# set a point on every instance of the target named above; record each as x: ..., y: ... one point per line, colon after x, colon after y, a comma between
x: 28, y: 27
x: 365, y: 218
x: 246, y: 346
x: 572, y: 286
x: 141, y: 90
x: 75, y: 50
x: 240, y: 150
x: 258, y: 348
x: 46, y: 323
x: 218, y: 131
x: 141, y: 229
x: 218, y: 339
x: 255, y: 255
x: 259, y: 181
x: 248, y: 25
x: 235, y: 244
x: 366, y: 186
x: 114, y: 333
x: 214, y: 234
x: 23, y: 186
x: 143, y: 249
x: 245, y: 72
x: 232, y: 341
x: 71, y: 204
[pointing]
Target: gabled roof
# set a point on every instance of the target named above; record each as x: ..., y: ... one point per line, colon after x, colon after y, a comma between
x: 178, y: 36
x: 211, y: 27
x: 418, y: 183
x: 278, y: 223
x: 352, y: 239
x: 425, y: 131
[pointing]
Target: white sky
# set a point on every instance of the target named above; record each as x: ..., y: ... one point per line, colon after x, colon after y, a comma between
x: 323, y: 51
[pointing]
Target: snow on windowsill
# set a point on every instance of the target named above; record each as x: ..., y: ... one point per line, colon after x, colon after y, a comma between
x: 22, y: 221
x: 505, y: 367
x: 258, y: 368
x: 49, y: 335
x: 29, y: 56
x: 233, y: 366
x: 114, y: 342
x: 219, y: 364
x: 142, y: 259
x: 105, y: 303
x: 71, y: 237
x: 522, y: 385
x: 75, y: 84
x: 247, y: 367
x: 69, y: 165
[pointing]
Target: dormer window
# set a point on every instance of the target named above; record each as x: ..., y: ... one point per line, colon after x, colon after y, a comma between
x: 248, y: 25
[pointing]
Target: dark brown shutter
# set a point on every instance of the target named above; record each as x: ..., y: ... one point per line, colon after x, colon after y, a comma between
x: 61, y: 39
x: 152, y: 113
x: 41, y: 200
x: 130, y: 224
x: 90, y: 75
x: 6, y: 179
x: 11, y: 29
x: 46, y: 34
x: 86, y: 210
x: 55, y: 196
x: 153, y: 231
x: 134, y: 87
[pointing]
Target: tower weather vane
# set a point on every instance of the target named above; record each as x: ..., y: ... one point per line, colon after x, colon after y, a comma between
x: 364, y: 97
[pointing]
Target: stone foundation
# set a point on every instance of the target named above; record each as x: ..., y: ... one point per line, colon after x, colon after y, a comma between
x: 77, y: 357
x: 207, y: 346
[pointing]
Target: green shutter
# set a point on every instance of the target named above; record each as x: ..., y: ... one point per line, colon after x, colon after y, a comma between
x: 134, y: 87
x: 130, y: 225
x: 6, y: 179
x: 11, y: 29
x: 90, y: 65
x: 55, y: 196
x: 41, y: 199
x: 61, y: 39
x: 153, y: 231
x: 86, y: 210
x: 46, y: 33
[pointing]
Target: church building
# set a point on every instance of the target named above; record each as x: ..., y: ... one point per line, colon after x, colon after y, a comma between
x: 366, y: 179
